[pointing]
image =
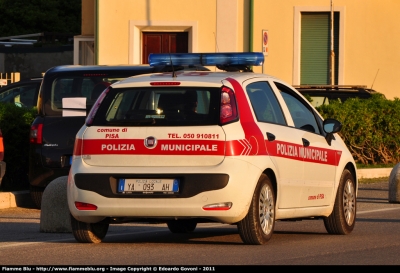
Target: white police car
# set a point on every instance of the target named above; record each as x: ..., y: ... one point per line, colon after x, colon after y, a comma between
x: 188, y: 147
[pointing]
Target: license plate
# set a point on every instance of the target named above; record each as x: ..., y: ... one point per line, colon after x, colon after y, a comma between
x: 133, y: 185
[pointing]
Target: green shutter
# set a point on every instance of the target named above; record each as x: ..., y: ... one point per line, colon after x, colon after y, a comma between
x: 315, y: 47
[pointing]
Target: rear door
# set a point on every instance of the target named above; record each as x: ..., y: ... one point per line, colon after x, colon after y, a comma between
x: 65, y: 113
x: 68, y: 97
x: 156, y: 126
x: 281, y: 140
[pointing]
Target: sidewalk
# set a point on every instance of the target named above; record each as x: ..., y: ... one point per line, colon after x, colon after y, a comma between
x: 23, y: 198
x: 374, y: 173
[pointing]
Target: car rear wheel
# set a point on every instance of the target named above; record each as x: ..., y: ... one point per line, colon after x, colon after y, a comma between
x: 343, y: 217
x: 89, y: 232
x: 258, y: 225
x: 36, y: 195
x: 182, y: 225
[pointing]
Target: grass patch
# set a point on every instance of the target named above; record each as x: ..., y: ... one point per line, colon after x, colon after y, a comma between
x: 373, y: 180
x: 366, y: 166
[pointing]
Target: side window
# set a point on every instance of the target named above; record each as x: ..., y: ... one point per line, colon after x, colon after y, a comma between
x: 265, y: 105
x: 10, y: 94
x: 302, y: 115
x: 27, y: 96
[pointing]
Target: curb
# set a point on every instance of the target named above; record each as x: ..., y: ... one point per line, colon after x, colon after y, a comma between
x: 15, y: 199
x: 374, y: 173
x: 23, y: 198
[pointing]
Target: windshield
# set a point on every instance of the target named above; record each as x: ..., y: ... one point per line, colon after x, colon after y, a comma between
x: 161, y: 106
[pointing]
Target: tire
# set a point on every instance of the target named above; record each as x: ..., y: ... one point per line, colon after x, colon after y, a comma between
x: 89, y: 232
x: 36, y: 195
x: 182, y: 225
x: 258, y: 225
x: 343, y: 216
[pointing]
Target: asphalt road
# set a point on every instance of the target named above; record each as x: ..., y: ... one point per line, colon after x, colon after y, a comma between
x: 374, y: 241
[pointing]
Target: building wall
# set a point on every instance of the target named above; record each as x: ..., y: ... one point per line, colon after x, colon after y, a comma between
x: 212, y: 25
x: 121, y: 22
x: 368, y: 42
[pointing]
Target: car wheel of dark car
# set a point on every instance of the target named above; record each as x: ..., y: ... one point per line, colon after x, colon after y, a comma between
x: 36, y: 195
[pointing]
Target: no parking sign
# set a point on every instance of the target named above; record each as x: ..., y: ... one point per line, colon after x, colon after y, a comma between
x: 265, y: 42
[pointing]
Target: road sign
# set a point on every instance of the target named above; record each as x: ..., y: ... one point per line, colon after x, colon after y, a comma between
x: 265, y: 39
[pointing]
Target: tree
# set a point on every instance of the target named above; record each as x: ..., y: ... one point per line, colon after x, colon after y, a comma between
x: 20, y: 17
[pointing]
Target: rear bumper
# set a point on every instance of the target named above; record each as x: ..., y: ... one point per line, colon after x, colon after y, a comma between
x: 43, y: 176
x: 232, y: 181
x: 190, y: 184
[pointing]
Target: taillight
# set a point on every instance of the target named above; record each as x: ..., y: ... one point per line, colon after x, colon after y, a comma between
x: 77, y: 147
x: 1, y: 147
x: 229, y: 111
x: 85, y: 206
x: 35, y: 135
x: 96, y: 106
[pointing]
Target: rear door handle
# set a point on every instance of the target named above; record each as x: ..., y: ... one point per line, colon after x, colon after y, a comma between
x: 306, y: 143
x: 271, y: 137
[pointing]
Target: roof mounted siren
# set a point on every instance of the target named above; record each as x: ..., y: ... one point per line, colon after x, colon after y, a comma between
x: 235, y: 61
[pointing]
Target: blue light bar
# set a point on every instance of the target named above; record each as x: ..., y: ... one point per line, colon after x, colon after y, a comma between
x: 207, y: 59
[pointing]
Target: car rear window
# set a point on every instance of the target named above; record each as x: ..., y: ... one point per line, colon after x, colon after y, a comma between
x: 75, y: 95
x: 177, y: 106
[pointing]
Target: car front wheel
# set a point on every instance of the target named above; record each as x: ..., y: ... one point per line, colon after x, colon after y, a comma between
x: 258, y: 225
x: 343, y: 217
x: 89, y: 232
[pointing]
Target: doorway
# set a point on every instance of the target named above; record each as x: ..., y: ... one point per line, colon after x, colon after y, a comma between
x: 164, y: 42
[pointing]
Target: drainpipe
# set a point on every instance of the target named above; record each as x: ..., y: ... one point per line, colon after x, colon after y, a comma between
x: 332, y: 47
x: 251, y: 26
x: 96, y: 36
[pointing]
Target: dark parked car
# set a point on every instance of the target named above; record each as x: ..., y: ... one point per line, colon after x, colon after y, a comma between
x: 23, y: 93
x: 323, y: 94
x: 65, y: 98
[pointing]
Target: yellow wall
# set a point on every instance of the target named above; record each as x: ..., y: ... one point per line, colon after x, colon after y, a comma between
x: 114, y: 32
x: 370, y: 33
x: 371, y: 39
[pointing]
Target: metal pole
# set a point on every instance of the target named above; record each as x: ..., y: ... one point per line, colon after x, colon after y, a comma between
x: 332, y: 48
x: 251, y: 26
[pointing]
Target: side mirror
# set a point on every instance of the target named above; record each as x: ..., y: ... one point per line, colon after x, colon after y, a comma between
x: 331, y: 126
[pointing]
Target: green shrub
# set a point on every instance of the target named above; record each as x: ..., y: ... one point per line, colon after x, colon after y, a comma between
x: 371, y: 128
x: 15, y: 125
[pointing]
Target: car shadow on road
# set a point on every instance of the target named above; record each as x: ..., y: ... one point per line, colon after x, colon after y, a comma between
x: 374, y: 220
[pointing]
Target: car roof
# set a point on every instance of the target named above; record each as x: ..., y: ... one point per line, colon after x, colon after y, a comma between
x: 21, y: 82
x: 189, y: 76
x: 96, y: 68
x: 129, y: 69
x: 338, y: 89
